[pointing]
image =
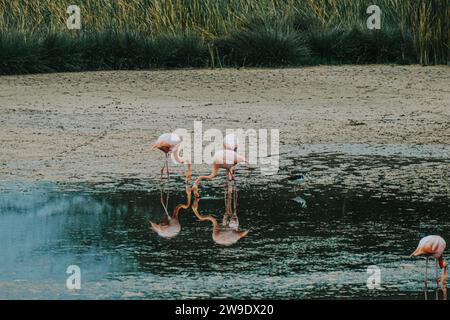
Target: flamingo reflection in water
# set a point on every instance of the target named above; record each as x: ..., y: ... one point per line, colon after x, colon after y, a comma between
x: 228, y: 233
x: 170, y: 226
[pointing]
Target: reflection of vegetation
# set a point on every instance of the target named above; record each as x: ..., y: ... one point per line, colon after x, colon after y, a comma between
x: 199, y: 33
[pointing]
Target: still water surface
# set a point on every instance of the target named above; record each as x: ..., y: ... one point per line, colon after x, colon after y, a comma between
x: 302, y: 243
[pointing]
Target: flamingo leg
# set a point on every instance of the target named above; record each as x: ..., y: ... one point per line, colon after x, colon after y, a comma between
x: 226, y: 187
x: 426, y: 275
x: 235, y: 191
x: 437, y: 273
x: 162, y: 173
x: 164, y: 203
x: 168, y: 180
x: 167, y: 166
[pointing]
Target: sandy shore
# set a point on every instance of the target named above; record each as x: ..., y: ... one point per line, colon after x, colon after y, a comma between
x: 97, y: 126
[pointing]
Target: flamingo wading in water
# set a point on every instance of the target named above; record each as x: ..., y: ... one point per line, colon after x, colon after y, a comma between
x: 169, y: 143
x: 225, y: 159
x: 433, y: 246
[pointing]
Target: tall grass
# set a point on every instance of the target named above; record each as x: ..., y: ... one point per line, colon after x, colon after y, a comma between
x: 121, y: 34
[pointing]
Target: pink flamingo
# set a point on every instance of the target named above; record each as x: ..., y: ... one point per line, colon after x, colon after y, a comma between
x: 433, y: 246
x: 169, y: 143
x: 225, y: 159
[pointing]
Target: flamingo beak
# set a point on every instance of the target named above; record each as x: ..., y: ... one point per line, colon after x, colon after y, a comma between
x: 154, y: 226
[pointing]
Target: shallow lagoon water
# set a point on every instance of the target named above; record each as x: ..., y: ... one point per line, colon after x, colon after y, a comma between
x: 305, y: 242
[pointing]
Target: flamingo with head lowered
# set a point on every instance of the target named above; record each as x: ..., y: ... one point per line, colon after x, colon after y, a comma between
x: 222, y: 159
x: 433, y: 246
x: 169, y: 143
x: 227, y: 159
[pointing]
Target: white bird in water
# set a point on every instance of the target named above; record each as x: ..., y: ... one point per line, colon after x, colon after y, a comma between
x: 433, y: 246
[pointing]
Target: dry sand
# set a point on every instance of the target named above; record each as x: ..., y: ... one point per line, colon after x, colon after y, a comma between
x: 97, y: 126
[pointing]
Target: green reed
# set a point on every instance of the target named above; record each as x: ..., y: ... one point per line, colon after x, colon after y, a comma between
x: 201, y: 33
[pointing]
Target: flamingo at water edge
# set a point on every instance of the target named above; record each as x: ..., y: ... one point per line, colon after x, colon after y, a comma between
x: 433, y: 246
x: 169, y: 143
x: 225, y: 159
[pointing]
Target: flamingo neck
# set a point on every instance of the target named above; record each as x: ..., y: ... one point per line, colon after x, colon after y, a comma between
x: 212, y: 175
x: 178, y: 158
x: 205, y: 218
x: 176, y: 211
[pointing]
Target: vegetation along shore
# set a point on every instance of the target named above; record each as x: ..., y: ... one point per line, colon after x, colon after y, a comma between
x: 147, y: 34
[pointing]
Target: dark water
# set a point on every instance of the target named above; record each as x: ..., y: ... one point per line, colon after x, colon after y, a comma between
x: 303, y: 243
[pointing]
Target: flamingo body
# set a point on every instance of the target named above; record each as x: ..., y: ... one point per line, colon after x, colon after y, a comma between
x: 227, y: 159
x: 167, y: 142
x: 433, y: 246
